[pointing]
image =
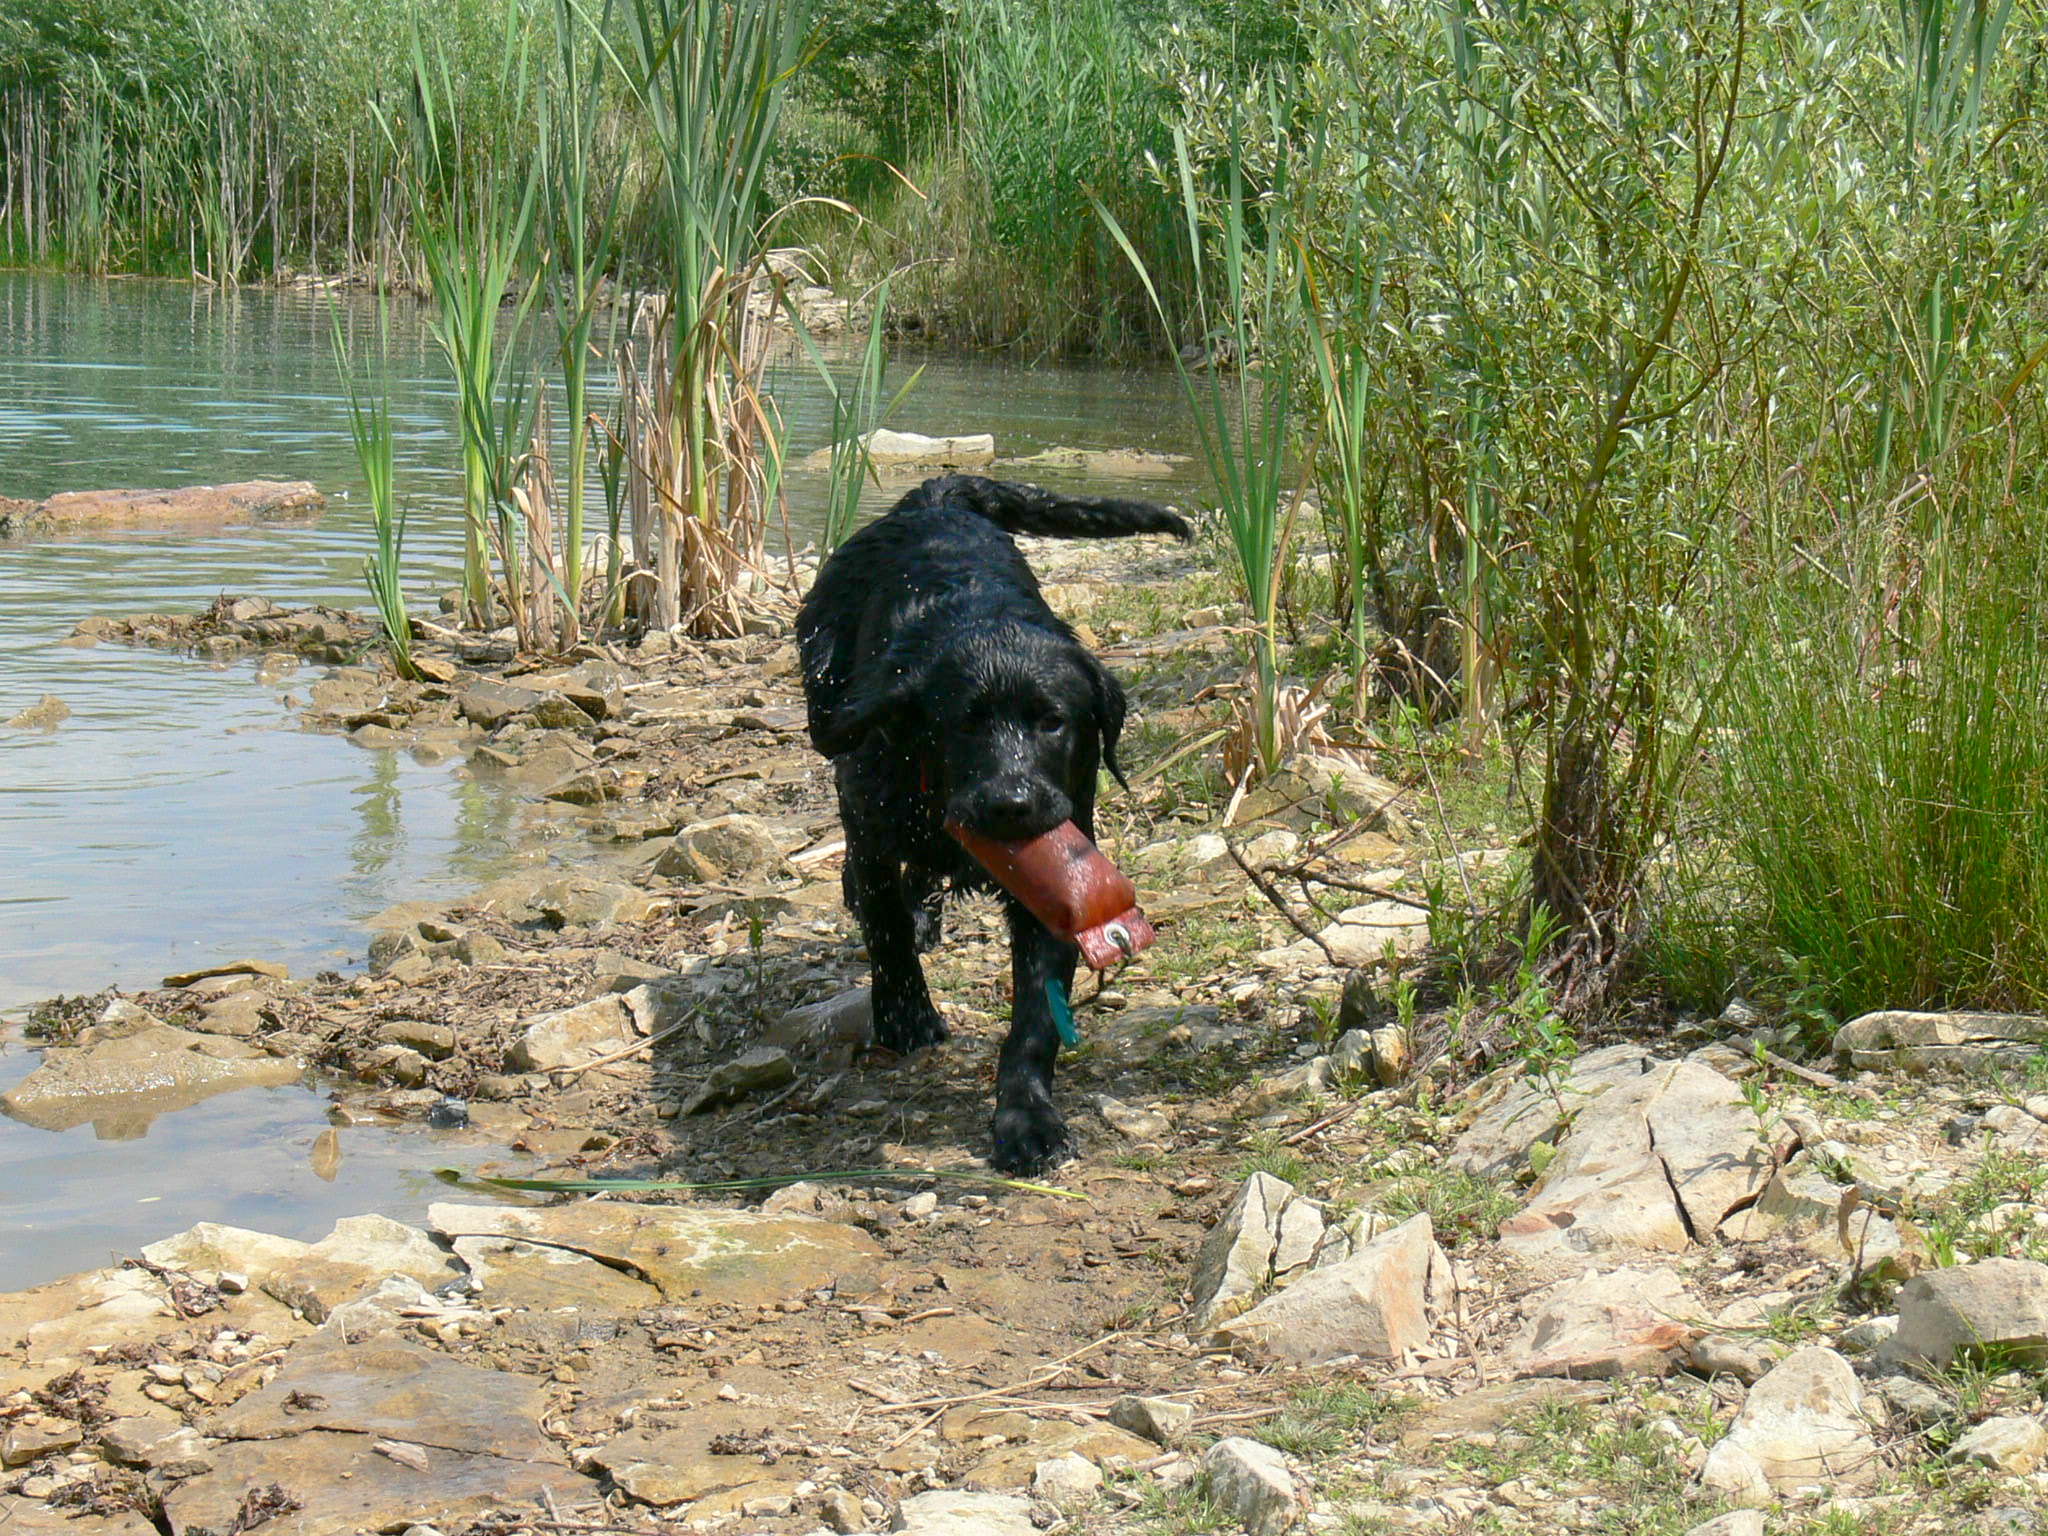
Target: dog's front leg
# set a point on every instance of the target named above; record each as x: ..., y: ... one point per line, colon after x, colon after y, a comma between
x: 904, y: 1016
x: 1029, y: 1133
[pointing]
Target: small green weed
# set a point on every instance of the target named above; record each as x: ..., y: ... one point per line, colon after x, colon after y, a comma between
x: 1460, y: 1207
x: 1323, y: 1421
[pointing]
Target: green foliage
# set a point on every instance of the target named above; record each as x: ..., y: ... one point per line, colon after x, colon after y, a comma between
x: 369, y: 421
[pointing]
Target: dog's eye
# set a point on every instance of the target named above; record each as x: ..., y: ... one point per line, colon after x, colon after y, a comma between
x: 1052, y: 721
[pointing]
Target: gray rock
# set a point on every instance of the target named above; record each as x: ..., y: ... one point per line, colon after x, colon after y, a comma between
x: 1376, y: 1304
x: 1519, y: 1113
x: 356, y: 1256
x: 1067, y: 1482
x: 433, y: 1040
x: 1622, y: 1322
x: 760, y: 1070
x: 2014, y: 1446
x: 1801, y: 1426
x: 1236, y: 1258
x: 1913, y: 1403
x: 1746, y: 1360
x: 841, y: 1512
x: 845, y: 1018
x: 1133, y: 1121
x: 1159, y: 1419
x: 1919, y: 1042
x: 575, y: 1036
x: 1250, y: 1481
x: 1997, y: 1304
x: 1645, y: 1165
x: 723, y: 851
x: 957, y: 1512
x: 490, y: 704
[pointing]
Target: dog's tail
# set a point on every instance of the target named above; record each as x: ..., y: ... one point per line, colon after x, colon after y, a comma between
x: 1018, y: 508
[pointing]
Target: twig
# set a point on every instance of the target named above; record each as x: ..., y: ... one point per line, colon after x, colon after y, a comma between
x: 1057, y: 1369
x: 1818, y: 1079
x: 634, y: 1049
x: 1344, y: 1112
x: 1278, y: 902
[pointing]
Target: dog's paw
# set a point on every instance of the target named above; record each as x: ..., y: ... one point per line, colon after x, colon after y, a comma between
x: 904, y: 1030
x: 1029, y: 1139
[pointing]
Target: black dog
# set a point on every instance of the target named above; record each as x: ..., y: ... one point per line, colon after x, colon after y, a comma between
x: 944, y: 689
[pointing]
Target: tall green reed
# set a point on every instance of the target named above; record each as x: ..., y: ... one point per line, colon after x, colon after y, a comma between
x: 711, y: 77
x: 859, y: 410
x: 473, y: 231
x: 369, y: 421
x: 1244, y: 293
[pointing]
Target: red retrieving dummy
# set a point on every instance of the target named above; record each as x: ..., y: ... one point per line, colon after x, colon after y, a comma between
x: 1067, y: 884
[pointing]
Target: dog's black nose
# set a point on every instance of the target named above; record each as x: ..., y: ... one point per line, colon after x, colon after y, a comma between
x: 1012, y: 808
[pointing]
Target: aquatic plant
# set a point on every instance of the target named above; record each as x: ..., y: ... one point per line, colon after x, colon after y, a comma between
x: 710, y: 76
x: 369, y: 422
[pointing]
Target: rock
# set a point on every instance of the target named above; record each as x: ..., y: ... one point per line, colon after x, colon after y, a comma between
x: 1622, y: 1322
x: 1801, y: 1426
x: 1159, y: 1419
x: 1364, y: 936
x: 30, y: 1440
x: 211, y: 1249
x: 1920, y: 1042
x: 268, y: 969
x: 72, y: 1315
x: 123, y: 1082
x: 576, y: 902
x: 1746, y: 1360
x: 33, y: 1517
x: 1375, y: 1304
x: 1236, y: 1258
x: 957, y: 1512
x: 389, y: 1388
x: 490, y: 704
x: 436, y: 1041
x: 1645, y: 1166
x: 1520, y: 1112
x: 703, y: 1254
x: 845, y: 1018
x: 723, y: 851
x: 906, y: 450
x: 46, y: 714
x: 538, y: 1277
x: 760, y: 1070
x: 841, y: 1512
x: 1250, y: 1482
x: 1737, y: 1522
x: 359, y: 1253
x: 341, y: 1485
x: 1067, y: 1482
x: 2014, y: 1446
x: 1132, y: 1121
x: 243, y: 501
x: 158, y: 1445
x: 555, y: 1042
x: 1994, y: 1304
x: 1913, y: 1403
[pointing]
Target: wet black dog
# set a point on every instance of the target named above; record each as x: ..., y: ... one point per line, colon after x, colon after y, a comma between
x: 944, y: 689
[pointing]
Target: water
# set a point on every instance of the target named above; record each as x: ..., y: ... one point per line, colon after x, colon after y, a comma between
x: 180, y: 817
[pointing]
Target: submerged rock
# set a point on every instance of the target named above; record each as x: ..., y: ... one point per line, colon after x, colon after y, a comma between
x: 243, y: 501
x: 121, y: 1083
x: 46, y: 714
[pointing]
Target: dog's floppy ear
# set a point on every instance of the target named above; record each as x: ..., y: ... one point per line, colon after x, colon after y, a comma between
x: 885, y: 699
x: 1109, y: 716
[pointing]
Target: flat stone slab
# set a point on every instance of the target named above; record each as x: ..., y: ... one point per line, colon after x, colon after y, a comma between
x: 712, y: 1255
x: 1902, y: 1040
x: 398, y: 1391
x: 243, y: 501
x: 122, y: 1083
x: 341, y: 1485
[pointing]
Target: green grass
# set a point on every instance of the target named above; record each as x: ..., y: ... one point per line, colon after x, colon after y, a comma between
x: 1329, y: 1419
x: 1460, y: 1207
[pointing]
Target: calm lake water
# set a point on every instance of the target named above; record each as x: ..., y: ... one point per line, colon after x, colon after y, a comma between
x: 179, y: 816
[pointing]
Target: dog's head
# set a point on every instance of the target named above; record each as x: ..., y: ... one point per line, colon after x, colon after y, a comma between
x: 1010, y: 721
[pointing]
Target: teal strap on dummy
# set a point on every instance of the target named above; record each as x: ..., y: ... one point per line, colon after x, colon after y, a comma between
x: 1062, y: 1013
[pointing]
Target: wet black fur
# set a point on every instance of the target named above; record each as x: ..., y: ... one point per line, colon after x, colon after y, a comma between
x: 943, y: 688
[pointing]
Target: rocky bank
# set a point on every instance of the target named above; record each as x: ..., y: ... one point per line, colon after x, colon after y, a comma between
x: 1313, y: 1270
